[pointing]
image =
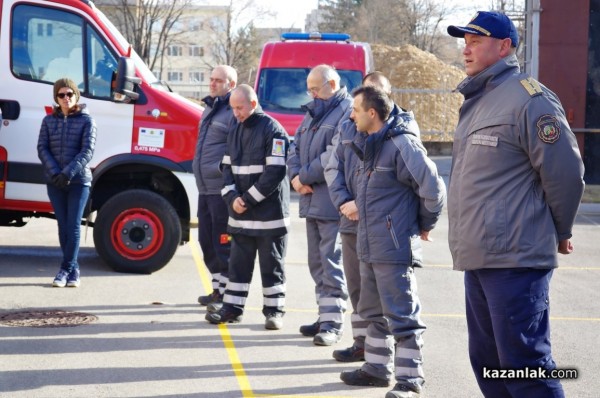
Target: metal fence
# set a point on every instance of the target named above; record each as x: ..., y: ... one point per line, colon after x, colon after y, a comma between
x: 436, y: 110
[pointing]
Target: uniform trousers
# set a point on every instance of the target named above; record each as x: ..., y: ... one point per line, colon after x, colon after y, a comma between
x: 324, y: 262
x: 389, y: 303
x: 271, y: 253
x: 213, y: 238
x: 352, y: 274
x: 509, y: 328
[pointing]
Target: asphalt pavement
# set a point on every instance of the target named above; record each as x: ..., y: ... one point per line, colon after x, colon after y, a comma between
x: 146, y: 336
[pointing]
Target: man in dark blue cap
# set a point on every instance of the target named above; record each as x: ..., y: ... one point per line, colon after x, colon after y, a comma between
x: 515, y: 186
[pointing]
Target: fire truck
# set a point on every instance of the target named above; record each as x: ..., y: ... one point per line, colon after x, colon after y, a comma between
x: 143, y: 193
x: 284, y: 65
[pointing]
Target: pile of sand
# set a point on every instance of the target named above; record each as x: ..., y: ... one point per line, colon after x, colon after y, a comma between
x: 422, y: 83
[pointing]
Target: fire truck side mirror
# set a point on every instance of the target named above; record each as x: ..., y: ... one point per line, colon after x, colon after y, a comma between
x: 125, y: 81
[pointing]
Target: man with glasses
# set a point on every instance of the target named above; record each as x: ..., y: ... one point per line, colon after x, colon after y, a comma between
x: 306, y: 171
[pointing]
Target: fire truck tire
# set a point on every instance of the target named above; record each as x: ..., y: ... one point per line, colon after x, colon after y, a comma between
x: 137, y: 231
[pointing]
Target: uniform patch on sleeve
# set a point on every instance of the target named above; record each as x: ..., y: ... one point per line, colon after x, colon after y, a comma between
x: 548, y: 129
x: 278, y: 147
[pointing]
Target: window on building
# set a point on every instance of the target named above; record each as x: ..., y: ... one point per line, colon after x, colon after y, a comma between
x: 175, y: 76
x: 175, y: 51
x: 195, y: 26
x: 195, y: 77
x: 196, y: 51
x: 49, y: 29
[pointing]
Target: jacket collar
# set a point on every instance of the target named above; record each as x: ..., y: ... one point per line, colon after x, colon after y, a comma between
x: 318, y: 107
x: 214, y: 102
x: 253, y: 119
x: 489, y: 78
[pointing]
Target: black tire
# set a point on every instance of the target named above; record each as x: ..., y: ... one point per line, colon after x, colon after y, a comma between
x: 137, y: 231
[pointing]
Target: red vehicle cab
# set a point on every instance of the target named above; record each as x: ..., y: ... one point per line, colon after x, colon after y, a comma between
x: 284, y: 66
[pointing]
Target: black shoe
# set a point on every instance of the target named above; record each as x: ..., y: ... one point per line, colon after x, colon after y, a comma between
x: 359, y: 378
x: 215, y: 296
x: 350, y: 354
x: 214, y: 307
x: 310, y: 330
x: 224, y: 315
x: 327, y: 338
x: 402, y: 391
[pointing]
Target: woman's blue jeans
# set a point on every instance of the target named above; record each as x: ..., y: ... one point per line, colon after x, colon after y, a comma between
x: 68, y: 204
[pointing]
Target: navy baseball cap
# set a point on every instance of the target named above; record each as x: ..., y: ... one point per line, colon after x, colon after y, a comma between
x: 488, y: 23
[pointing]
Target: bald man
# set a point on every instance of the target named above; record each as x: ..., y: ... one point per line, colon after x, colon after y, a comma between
x: 257, y: 193
x: 212, y: 213
x: 329, y: 104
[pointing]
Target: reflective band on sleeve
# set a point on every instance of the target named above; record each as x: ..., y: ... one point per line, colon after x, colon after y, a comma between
x: 259, y: 197
x: 245, y: 170
x: 275, y: 161
x: 227, y: 189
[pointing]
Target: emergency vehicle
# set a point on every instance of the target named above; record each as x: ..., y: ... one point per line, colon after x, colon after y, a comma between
x: 284, y: 65
x: 143, y: 193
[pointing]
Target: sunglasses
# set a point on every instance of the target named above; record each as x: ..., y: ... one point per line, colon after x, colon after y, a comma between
x: 62, y: 95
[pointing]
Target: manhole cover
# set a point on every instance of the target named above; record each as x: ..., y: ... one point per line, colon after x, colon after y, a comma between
x: 46, y: 319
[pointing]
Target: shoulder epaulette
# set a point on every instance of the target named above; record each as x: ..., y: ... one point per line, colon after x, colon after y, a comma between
x: 532, y: 86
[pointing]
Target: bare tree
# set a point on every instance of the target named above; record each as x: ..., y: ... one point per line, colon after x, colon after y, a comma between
x: 391, y: 22
x: 147, y: 24
x: 425, y: 17
x: 339, y: 15
x: 377, y: 22
x: 235, y: 41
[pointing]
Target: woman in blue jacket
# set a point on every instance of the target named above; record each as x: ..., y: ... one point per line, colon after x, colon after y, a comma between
x: 65, y: 147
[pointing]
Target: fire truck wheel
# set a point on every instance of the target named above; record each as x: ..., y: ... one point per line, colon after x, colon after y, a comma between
x: 137, y: 231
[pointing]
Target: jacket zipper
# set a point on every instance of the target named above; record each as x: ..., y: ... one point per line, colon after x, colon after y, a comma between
x: 390, y: 227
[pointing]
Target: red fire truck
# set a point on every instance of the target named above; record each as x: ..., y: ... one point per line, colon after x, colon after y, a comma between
x: 284, y: 66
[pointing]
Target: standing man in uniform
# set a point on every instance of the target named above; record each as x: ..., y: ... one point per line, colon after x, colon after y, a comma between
x: 399, y: 198
x: 212, y: 211
x: 306, y: 170
x: 341, y: 174
x: 257, y: 192
x: 515, y: 187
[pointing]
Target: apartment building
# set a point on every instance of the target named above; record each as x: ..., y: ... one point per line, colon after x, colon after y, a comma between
x: 189, y: 55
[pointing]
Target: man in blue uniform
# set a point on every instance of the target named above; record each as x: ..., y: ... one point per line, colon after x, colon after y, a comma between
x: 515, y: 186
x: 212, y: 212
x: 257, y: 192
x: 399, y: 198
x: 341, y: 174
x: 306, y: 171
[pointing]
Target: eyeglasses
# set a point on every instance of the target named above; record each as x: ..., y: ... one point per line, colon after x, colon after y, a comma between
x: 315, y: 90
x: 62, y: 95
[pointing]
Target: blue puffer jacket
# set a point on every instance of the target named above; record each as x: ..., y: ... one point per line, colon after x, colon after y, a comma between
x: 66, y: 145
x: 399, y: 193
x: 341, y: 171
x: 311, y: 156
x: 212, y: 142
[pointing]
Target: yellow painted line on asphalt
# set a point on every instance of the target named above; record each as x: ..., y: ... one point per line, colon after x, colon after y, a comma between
x: 234, y: 359
x: 560, y: 267
x: 568, y: 318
